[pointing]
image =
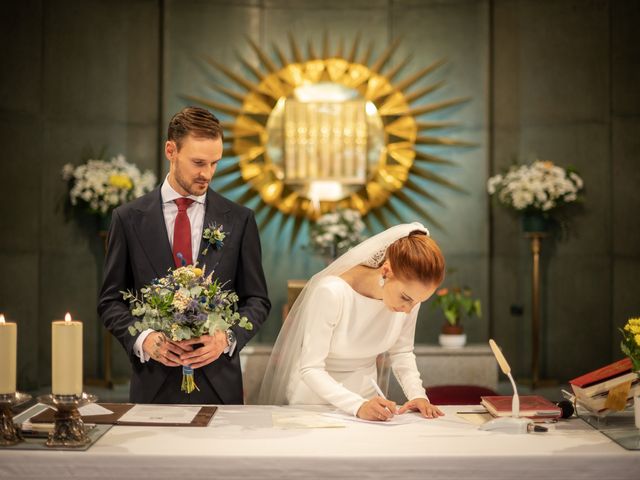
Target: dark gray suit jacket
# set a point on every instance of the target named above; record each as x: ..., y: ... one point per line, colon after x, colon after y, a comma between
x: 139, y: 250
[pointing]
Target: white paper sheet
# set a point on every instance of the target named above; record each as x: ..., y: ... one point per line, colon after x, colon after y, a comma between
x: 93, y: 409
x: 304, y: 420
x: 404, y: 419
x: 160, y: 414
x: 86, y: 410
x: 475, y: 418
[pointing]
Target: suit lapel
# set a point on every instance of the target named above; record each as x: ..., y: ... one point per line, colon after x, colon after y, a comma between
x: 152, y: 232
x: 215, y: 213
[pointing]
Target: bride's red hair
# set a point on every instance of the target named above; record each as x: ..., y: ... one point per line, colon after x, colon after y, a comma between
x: 417, y: 257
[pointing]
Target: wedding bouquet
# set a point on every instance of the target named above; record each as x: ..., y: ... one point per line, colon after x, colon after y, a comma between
x: 100, y: 185
x: 185, y: 304
x: 335, y: 233
x: 539, y: 187
x: 630, y: 344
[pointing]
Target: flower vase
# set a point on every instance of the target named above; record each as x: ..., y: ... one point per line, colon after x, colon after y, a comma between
x: 103, y: 222
x: 534, y: 222
x: 452, y: 336
x: 636, y: 410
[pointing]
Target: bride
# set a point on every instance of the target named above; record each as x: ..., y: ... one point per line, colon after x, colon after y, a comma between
x: 363, y: 304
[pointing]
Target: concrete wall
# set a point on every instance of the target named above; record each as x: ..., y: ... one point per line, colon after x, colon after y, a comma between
x: 556, y: 79
x: 564, y: 88
x: 78, y: 75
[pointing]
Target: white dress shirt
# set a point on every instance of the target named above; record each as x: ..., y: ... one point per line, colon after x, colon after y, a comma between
x: 195, y: 212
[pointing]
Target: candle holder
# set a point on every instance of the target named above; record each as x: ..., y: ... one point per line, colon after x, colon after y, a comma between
x: 9, y: 434
x: 69, y: 429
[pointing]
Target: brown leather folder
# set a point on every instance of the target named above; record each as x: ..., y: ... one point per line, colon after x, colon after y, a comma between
x: 202, y: 418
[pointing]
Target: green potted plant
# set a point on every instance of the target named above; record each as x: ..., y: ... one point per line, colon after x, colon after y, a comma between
x: 456, y: 303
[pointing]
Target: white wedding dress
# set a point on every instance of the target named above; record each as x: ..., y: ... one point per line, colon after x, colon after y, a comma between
x: 339, y: 348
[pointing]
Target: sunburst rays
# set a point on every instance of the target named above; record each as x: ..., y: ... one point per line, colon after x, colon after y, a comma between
x: 251, y: 102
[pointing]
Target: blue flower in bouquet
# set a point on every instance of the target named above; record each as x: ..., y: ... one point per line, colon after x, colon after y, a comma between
x: 185, y: 304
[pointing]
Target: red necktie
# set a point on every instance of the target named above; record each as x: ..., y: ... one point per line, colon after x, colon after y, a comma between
x: 182, y: 233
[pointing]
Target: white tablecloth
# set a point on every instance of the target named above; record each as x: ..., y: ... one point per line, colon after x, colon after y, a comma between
x: 241, y: 443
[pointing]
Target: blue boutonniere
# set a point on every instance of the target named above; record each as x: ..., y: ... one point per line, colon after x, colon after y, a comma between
x: 214, y: 235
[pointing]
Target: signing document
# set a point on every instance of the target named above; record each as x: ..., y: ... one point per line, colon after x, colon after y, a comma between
x: 402, y: 419
x: 160, y: 414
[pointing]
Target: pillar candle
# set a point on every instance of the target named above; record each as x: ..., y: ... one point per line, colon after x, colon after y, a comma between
x: 66, y: 357
x: 8, y: 337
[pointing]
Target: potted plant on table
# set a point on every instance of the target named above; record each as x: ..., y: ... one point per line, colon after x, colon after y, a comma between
x: 456, y: 303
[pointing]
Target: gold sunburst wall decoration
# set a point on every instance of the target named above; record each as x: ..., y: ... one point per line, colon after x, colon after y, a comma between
x: 381, y: 155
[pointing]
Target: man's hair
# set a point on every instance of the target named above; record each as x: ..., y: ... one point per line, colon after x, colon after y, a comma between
x: 196, y: 121
x: 417, y: 257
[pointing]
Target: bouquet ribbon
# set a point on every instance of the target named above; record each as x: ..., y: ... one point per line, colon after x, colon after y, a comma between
x: 188, y: 383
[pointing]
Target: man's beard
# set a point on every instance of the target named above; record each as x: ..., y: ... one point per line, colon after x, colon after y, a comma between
x: 195, y: 188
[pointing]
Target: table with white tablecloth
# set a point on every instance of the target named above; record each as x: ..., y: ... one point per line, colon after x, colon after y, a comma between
x: 242, y: 442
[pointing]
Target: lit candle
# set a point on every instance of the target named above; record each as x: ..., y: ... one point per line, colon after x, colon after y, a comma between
x: 66, y: 357
x: 8, y: 337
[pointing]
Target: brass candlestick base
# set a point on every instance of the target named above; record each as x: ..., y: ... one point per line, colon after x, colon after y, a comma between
x: 69, y: 429
x: 9, y: 434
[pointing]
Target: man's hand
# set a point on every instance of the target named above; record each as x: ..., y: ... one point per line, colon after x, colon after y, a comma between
x: 212, y: 347
x: 162, y: 350
x: 423, y: 406
x: 378, y: 409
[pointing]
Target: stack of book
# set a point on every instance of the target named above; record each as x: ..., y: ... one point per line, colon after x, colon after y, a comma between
x: 535, y: 407
x: 592, y: 389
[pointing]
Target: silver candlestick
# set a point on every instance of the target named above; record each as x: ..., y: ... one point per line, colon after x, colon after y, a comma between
x: 69, y: 429
x: 9, y: 434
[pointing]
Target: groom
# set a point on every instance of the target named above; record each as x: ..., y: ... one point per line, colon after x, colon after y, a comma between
x: 154, y: 233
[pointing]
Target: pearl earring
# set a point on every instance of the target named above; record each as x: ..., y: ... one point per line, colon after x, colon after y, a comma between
x: 381, y: 281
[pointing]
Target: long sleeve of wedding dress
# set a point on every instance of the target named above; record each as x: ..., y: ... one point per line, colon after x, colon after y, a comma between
x: 403, y: 360
x: 340, y: 346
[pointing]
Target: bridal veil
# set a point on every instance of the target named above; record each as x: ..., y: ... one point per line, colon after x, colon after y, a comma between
x: 287, y: 348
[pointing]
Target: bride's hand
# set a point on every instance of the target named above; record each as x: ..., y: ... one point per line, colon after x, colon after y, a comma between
x: 423, y: 406
x: 378, y: 409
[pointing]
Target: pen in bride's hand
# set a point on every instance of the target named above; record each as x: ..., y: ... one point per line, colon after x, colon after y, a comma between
x: 379, y: 392
x: 377, y: 388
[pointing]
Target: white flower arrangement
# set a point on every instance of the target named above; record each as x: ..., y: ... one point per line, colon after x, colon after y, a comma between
x: 539, y: 187
x: 100, y: 185
x: 335, y: 233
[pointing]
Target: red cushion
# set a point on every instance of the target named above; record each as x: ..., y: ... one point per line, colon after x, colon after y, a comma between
x: 457, y: 394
